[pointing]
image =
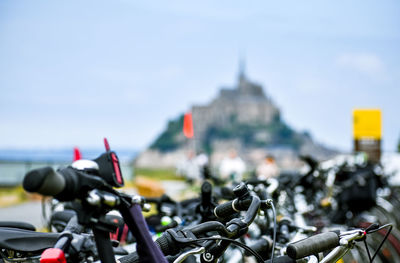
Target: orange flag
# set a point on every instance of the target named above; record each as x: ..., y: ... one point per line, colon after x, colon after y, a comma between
x: 188, y: 125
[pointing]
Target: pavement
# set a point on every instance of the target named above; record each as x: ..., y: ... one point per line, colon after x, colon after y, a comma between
x: 30, y: 212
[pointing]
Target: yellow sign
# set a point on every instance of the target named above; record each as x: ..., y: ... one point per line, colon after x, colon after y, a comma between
x: 367, y: 124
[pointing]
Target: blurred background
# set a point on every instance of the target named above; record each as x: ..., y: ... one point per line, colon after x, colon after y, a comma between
x: 74, y: 72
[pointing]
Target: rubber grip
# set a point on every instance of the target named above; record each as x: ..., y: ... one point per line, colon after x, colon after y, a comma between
x: 282, y: 259
x: 261, y: 246
x: 224, y: 210
x: 313, y: 245
x: 44, y: 181
x: 167, y: 246
x: 131, y: 258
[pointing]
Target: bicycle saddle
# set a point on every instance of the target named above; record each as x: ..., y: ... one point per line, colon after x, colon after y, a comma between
x: 20, y: 225
x: 26, y: 240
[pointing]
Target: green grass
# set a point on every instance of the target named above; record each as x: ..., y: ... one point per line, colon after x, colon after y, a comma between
x: 158, y: 174
x: 12, y: 196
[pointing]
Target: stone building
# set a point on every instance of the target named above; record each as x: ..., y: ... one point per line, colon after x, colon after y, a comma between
x: 244, y: 104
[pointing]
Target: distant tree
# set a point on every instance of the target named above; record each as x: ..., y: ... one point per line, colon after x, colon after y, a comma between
x: 307, y: 134
x: 398, y: 146
x: 167, y: 140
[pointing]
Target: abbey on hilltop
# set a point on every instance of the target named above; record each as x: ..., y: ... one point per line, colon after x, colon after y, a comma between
x: 242, y: 117
x: 243, y: 107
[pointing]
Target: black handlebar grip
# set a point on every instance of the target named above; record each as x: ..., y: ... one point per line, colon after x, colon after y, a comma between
x: 44, y: 181
x: 64, y: 185
x: 131, y: 258
x: 224, y: 210
x: 262, y: 247
x: 282, y: 259
x: 167, y: 245
x: 164, y: 242
x: 313, y: 245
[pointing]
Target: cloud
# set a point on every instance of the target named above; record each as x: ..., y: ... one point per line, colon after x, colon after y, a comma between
x: 367, y: 64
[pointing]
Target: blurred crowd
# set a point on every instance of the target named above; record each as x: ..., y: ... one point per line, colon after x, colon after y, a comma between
x: 231, y: 168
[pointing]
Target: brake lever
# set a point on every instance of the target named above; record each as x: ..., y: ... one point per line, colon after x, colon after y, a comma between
x: 194, y: 251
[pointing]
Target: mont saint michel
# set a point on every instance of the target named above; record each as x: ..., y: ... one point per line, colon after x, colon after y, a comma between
x: 242, y: 117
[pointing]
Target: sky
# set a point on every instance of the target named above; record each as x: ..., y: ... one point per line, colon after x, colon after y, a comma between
x: 73, y: 72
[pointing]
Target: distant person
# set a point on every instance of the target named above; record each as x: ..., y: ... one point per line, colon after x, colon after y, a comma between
x: 191, y: 167
x: 267, y: 169
x: 203, y: 163
x: 232, y: 167
x: 202, y: 159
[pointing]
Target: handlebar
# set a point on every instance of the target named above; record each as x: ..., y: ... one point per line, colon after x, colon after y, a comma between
x: 44, y: 181
x: 65, y: 184
x: 96, y: 197
x: 313, y: 245
x: 339, y: 242
x: 261, y: 246
x: 250, y: 204
x: 172, y: 241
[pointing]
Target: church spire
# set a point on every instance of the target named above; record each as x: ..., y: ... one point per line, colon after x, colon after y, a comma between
x: 242, y: 68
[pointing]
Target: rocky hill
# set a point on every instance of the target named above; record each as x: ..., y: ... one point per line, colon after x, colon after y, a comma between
x: 242, y: 117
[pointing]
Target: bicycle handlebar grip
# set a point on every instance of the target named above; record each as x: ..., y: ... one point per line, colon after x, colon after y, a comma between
x: 167, y: 245
x: 282, y: 259
x: 44, y: 181
x: 262, y: 247
x: 164, y: 242
x: 224, y: 210
x: 313, y: 245
x: 131, y: 258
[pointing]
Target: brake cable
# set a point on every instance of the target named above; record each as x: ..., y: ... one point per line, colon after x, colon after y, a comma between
x: 233, y: 241
x: 270, y: 204
x: 372, y: 229
x: 269, y: 201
